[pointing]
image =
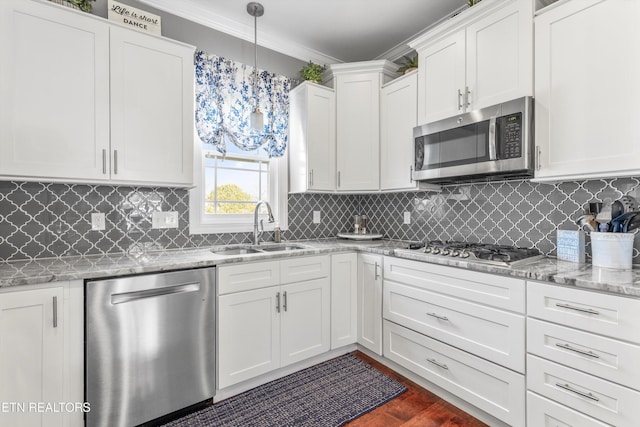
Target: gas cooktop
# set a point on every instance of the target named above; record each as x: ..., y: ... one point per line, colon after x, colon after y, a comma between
x: 503, y: 255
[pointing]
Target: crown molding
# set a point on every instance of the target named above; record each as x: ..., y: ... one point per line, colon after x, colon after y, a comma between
x: 204, y: 17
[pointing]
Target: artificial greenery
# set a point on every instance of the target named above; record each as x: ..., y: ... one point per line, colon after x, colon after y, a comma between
x: 408, y: 64
x: 84, y: 5
x: 472, y: 2
x: 312, y: 72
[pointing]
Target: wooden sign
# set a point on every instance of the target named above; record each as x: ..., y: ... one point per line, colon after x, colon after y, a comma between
x: 135, y: 18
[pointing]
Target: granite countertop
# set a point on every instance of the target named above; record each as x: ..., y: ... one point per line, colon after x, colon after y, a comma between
x: 584, y: 276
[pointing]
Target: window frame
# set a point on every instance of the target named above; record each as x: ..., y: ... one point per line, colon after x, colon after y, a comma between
x: 199, y: 223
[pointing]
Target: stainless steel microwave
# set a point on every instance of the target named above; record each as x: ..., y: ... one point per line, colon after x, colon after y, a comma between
x: 491, y: 143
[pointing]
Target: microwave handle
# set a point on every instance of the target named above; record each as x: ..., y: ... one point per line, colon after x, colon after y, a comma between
x: 493, y: 145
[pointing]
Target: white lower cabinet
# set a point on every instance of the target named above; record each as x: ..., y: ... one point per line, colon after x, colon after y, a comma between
x: 370, y: 302
x: 344, y: 294
x: 41, y: 354
x: 264, y: 328
x: 542, y: 412
x: 463, y: 331
x: 583, y: 349
x: 492, y: 388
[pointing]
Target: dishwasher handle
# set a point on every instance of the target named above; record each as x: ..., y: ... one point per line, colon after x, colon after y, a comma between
x: 154, y: 292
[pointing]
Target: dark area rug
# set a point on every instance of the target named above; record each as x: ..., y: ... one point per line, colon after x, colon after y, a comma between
x: 331, y: 393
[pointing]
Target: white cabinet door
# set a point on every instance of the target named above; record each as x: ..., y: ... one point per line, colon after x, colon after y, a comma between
x: 586, y: 89
x: 151, y: 109
x: 344, y: 294
x: 358, y: 132
x: 32, y: 353
x: 370, y: 302
x: 54, y: 93
x: 305, y: 320
x: 500, y: 56
x: 312, y: 151
x: 441, y: 68
x: 398, y: 115
x: 248, y: 335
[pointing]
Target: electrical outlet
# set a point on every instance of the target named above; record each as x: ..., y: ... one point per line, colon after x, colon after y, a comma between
x: 98, y: 222
x: 164, y: 219
x: 316, y: 217
x: 407, y: 217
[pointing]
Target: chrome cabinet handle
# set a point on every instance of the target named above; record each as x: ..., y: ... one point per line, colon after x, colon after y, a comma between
x: 376, y: 276
x: 55, y: 312
x: 459, y: 100
x: 577, y: 350
x: 438, y: 364
x: 126, y: 297
x: 411, y: 174
x: 580, y: 309
x: 284, y: 300
x: 578, y: 392
x: 311, y: 176
x: 467, y: 96
x: 538, y: 158
x: 278, y: 302
x: 104, y: 161
x: 115, y: 162
x: 437, y: 316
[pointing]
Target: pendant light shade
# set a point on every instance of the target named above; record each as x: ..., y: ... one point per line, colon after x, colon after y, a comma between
x: 256, y: 119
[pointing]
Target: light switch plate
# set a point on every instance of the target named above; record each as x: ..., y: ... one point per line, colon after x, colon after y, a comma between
x: 316, y: 217
x: 98, y: 222
x: 164, y: 219
x: 407, y: 218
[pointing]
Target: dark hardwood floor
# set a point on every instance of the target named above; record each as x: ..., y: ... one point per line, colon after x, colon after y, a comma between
x: 416, y: 407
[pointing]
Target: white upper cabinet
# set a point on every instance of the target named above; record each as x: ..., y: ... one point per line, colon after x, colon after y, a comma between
x: 54, y: 92
x: 587, y: 90
x: 312, y: 149
x: 151, y: 109
x: 481, y: 57
x: 358, y: 122
x: 88, y: 101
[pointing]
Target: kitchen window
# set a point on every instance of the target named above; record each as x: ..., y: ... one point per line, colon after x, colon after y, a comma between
x: 228, y: 188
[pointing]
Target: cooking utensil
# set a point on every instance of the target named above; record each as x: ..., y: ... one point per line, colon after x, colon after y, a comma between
x: 617, y: 223
x: 604, y: 216
x: 632, y: 224
x: 623, y: 205
x: 587, y: 222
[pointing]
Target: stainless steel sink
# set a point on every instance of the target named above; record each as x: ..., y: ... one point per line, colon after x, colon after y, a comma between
x: 235, y: 251
x: 255, y: 249
x: 280, y: 248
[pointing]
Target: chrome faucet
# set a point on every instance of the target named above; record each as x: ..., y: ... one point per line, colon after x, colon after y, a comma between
x: 257, y: 235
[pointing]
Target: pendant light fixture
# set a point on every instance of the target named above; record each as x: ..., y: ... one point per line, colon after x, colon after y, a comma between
x: 256, y: 120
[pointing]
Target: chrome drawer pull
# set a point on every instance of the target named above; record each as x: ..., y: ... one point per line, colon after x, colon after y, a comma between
x: 577, y: 350
x: 583, y: 310
x: 438, y: 317
x: 581, y: 393
x: 438, y: 364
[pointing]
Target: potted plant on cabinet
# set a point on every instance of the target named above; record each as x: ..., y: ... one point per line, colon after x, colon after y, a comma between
x: 409, y: 64
x: 83, y: 5
x: 312, y: 72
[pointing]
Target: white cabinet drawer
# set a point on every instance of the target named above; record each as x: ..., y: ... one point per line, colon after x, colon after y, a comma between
x: 245, y: 277
x: 610, y: 315
x: 304, y: 268
x: 542, y: 412
x: 604, y: 400
x: 607, y: 358
x: 494, y: 389
x: 497, y: 291
x: 487, y: 332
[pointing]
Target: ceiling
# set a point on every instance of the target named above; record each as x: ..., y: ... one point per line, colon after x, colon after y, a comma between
x: 325, y: 31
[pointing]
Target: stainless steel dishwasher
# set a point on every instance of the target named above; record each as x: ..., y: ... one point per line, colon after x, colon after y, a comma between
x: 149, y: 345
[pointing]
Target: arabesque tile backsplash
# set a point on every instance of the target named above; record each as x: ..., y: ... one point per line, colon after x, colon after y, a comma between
x: 42, y: 220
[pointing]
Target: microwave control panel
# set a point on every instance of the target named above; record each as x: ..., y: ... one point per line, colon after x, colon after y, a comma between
x: 509, y: 130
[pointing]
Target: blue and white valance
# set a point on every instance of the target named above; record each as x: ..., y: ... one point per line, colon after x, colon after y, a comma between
x: 225, y: 98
